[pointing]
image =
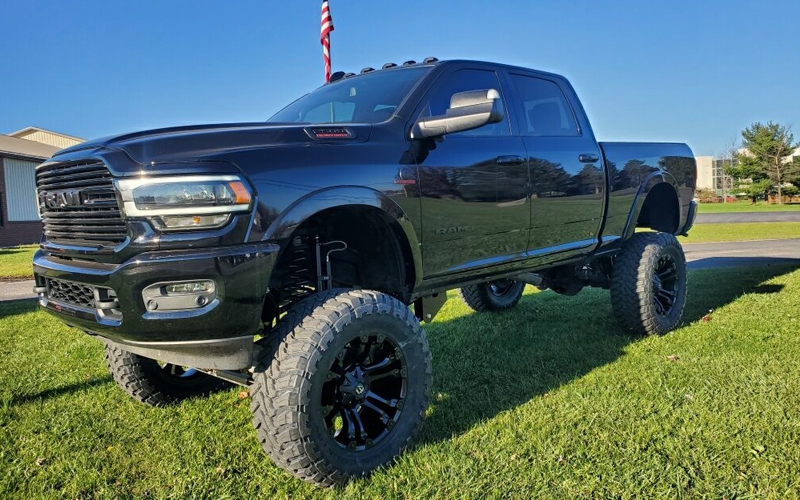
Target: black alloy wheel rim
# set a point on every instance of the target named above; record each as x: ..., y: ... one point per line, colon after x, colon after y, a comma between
x: 501, y: 287
x: 364, y: 392
x: 665, y: 285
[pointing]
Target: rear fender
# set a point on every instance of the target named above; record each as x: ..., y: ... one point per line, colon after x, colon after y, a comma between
x: 647, y: 185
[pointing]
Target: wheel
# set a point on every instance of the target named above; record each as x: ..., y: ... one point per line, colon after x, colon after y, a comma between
x: 156, y: 383
x: 493, y: 295
x: 648, y: 284
x: 342, y: 386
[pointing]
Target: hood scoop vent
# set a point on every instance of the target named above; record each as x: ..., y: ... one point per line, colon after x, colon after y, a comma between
x: 329, y: 133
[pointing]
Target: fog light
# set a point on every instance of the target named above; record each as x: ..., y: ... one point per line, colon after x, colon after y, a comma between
x: 191, y: 287
x: 171, y: 296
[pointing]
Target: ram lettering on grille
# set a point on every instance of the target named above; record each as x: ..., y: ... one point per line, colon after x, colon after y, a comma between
x: 79, y: 205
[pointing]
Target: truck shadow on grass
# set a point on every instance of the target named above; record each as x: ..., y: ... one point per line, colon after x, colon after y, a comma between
x: 61, y: 390
x: 5, y: 252
x: 14, y: 307
x: 488, y: 363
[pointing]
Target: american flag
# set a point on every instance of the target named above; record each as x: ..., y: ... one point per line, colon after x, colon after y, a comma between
x: 325, y: 28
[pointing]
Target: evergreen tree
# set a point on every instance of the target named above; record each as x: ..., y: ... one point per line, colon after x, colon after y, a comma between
x: 767, y: 156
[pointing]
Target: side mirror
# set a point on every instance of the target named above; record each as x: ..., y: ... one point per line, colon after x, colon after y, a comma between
x: 467, y: 111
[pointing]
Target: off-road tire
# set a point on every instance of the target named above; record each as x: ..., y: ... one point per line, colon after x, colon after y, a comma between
x: 295, y: 365
x: 146, y: 381
x: 634, y: 292
x: 482, y: 297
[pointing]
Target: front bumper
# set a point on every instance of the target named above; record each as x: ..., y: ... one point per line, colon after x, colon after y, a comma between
x: 240, y: 273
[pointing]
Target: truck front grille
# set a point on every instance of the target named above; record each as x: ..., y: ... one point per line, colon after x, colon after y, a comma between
x: 79, y: 205
x: 75, y: 294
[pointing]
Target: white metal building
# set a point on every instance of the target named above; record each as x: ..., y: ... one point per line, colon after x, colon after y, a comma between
x: 711, y: 173
x: 55, y: 139
x: 20, y: 153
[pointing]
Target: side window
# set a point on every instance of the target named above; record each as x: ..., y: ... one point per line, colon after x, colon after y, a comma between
x: 544, y: 109
x: 461, y: 81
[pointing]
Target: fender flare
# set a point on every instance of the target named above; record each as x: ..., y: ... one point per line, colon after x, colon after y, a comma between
x: 347, y: 196
x: 647, y: 185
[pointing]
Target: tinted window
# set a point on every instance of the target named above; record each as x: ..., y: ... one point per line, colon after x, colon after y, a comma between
x: 369, y: 98
x: 462, y: 81
x: 545, y: 111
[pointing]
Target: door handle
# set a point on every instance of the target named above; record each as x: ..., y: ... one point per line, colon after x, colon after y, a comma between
x: 510, y: 160
x: 588, y: 158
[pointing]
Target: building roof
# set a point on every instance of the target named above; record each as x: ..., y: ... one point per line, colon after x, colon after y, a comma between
x: 28, y: 130
x: 14, y: 147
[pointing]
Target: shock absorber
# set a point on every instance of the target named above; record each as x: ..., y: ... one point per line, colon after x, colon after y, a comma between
x: 325, y: 280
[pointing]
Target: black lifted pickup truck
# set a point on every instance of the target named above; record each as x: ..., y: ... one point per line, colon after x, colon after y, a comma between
x: 298, y: 256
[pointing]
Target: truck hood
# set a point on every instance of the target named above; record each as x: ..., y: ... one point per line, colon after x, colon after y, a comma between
x: 198, y: 141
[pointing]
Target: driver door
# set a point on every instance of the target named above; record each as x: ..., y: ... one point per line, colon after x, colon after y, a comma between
x: 475, y: 210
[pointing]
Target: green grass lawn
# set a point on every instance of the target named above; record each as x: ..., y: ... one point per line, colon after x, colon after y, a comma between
x: 742, y: 231
x: 15, y: 262
x: 745, y: 206
x: 549, y: 400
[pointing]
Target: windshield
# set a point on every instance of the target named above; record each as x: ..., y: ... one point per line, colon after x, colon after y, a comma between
x: 368, y: 98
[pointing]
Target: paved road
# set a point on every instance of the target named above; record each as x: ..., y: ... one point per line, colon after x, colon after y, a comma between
x: 699, y: 256
x: 748, y: 217
x: 14, y: 290
x: 742, y: 253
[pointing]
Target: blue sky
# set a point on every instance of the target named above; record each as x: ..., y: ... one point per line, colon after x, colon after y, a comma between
x: 691, y: 71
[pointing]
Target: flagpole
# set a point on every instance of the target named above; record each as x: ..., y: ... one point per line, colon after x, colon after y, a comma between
x: 326, y: 26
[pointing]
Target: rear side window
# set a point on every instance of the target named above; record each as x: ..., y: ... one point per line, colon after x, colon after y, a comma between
x: 464, y: 80
x: 545, y: 111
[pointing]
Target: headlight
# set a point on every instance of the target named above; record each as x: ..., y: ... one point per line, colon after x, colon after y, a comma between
x: 185, y: 202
